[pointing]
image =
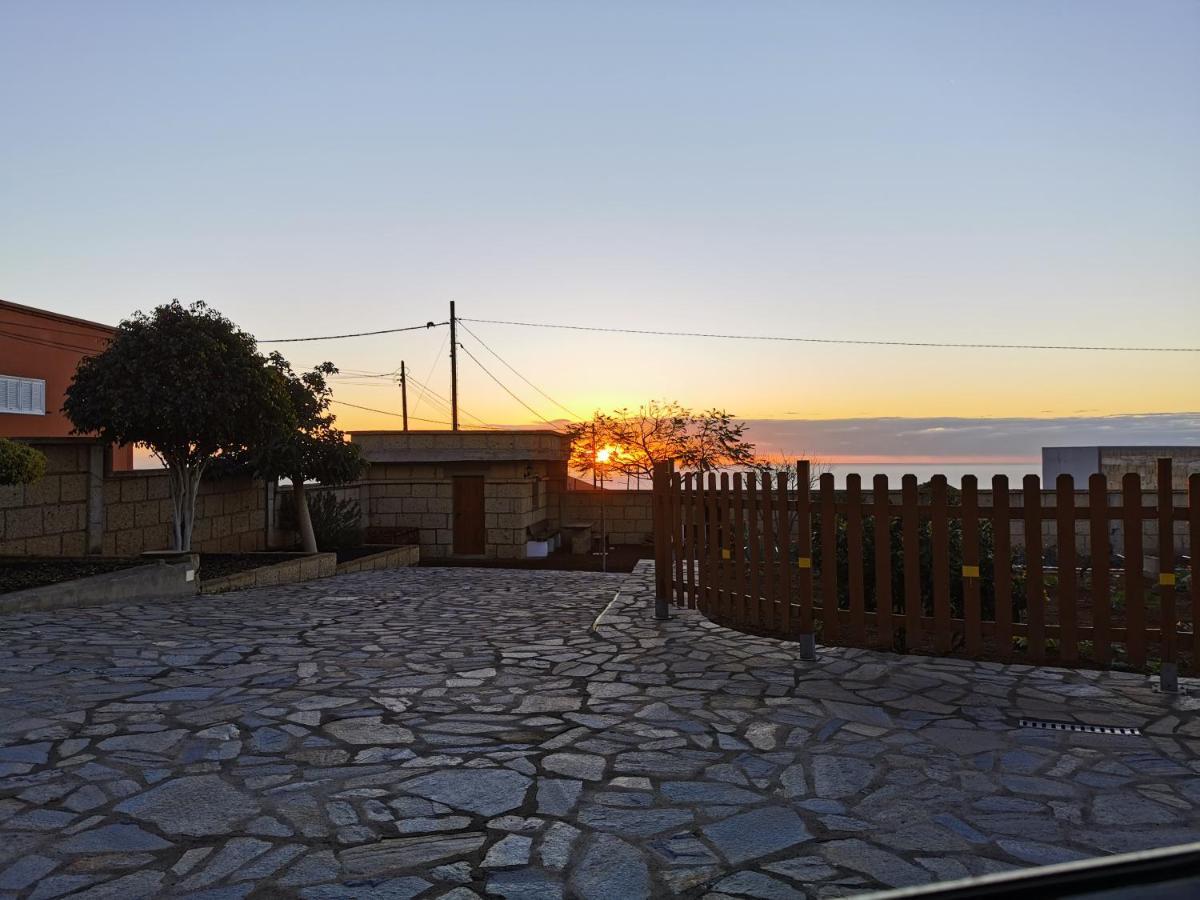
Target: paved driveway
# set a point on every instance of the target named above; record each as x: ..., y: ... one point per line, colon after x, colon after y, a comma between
x: 460, y: 733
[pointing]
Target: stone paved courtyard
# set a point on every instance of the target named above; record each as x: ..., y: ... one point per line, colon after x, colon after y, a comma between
x: 463, y: 733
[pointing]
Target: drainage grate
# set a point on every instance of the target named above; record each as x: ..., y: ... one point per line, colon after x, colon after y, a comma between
x: 1086, y: 729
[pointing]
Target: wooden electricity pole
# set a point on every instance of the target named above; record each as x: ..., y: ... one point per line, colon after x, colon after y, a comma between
x: 453, y: 370
x: 404, y: 393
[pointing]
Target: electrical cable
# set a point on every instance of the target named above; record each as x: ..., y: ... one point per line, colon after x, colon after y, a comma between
x: 814, y: 340
x: 338, y: 337
x: 505, y: 388
x: 569, y: 412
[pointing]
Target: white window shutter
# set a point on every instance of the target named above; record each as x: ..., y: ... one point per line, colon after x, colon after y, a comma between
x: 22, y: 396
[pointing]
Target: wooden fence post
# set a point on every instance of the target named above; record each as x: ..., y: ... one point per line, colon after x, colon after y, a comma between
x: 1067, y: 595
x: 804, y: 561
x: 1002, y: 565
x: 854, y: 560
x: 1135, y: 599
x: 1101, y: 560
x: 910, y: 523
x: 939, y: 532
x: 1168, y: 680
x: 972, y: 614
x: 1035, y: 596
x: 881, y: 510
x: 662, y: 540
x: 830, y: 625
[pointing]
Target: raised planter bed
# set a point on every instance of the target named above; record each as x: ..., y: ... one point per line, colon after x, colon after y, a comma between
x: 55, y: 583
x: 237, y: 571
x: 369, y: 557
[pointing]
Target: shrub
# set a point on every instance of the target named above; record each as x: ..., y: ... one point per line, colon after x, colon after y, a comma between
x: 337, y: 524
x: 20, y: 463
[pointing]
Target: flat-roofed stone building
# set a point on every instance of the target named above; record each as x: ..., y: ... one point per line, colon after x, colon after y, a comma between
x: 480, y: 494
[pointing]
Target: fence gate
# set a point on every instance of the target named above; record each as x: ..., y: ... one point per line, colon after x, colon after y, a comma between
x: 1067, y: 577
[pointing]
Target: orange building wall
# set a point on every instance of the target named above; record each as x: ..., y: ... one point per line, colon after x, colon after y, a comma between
x: 39, y: 344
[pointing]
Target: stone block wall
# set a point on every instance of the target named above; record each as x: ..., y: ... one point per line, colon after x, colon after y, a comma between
x: 230, y: 514
x: 81, y: 507
x: 517, y: 496
x: 628, y: 515
x: 50, y: 516
x: 1116, y: 461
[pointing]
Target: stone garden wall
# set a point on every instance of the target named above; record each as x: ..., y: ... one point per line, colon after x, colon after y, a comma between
x: 80, y: 507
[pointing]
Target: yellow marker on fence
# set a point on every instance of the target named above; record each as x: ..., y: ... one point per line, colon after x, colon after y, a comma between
x: 725, y: 554
x: 970, y: 571
x: 804, y: 562
x: 1166, y: 579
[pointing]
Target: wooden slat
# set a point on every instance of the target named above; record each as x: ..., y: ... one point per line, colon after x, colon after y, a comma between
x: 658, y: 497
x: 712, y: 547
x: 702, y: 573
x: 754, y: 543
x: 804, y: 576
x: 854, y: 561
x: 1002, y: 566
x: 830, y: 626
x: 1101, y: 557
x: 739, y: 549
x: 783, y: 536
x: 883, y: 561
x: 770, y: 575
x: 1068, y: 597
x: 971, y: 580
x: 1035, y: 610
x: 1194, y: 553
x: 1135, y: 600
x: 1166, y: 559
x: 910, y: 524
x: 677, y: 548
x: 940, y: 536
x: 724, y: 549
x: 688, y: 508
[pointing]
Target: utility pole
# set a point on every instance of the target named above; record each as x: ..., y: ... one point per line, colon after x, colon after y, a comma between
x: 404, y: 393
x: 453, y: 370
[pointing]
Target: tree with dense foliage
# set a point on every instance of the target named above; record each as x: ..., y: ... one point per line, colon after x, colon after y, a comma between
x: 308, y: 446
x: 631, y: 442
x: 20, y: 463
x: 188, y: 384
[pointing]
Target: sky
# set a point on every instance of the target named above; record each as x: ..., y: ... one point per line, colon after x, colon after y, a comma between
x: 1020, y: 172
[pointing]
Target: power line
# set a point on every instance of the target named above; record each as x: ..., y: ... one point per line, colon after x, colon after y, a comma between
x: 388, y: 412
x: 814, y: 340
x: 504, y: 387
x: 432, y: 393
x: 337, y: 337
x: 569, y: 412
x: 432, y: 366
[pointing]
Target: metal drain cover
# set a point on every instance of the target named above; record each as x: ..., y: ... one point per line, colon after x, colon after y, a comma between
x: 1086, y: 729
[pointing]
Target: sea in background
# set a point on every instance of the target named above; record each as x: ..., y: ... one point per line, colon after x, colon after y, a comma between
x: 954, y: 472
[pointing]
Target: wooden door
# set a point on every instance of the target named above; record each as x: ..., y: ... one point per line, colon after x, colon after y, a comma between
x: 469, y: 533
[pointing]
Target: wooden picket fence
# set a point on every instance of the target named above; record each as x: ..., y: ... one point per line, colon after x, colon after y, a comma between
x: 937, y: 571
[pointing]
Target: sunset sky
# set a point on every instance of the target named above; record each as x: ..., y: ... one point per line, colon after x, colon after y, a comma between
x: 1018, y: 172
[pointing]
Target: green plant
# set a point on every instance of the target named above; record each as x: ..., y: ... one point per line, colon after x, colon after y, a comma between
x: 336, y: 524
x: 187, y: 383
x: 307, y: 446
x: 20, y: 463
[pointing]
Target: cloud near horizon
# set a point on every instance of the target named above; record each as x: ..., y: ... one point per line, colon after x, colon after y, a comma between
x: 964, y: 439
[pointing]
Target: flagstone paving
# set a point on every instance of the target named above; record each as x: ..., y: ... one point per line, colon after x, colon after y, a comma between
x: 467, y: 733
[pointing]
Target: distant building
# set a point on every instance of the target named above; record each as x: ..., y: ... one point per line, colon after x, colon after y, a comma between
x: 1113, y: 462
x: 473, y: 494
x: 39, y: 352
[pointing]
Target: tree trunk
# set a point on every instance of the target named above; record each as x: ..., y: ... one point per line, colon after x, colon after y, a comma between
x: 185, y: 483
x: 308, y: 540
